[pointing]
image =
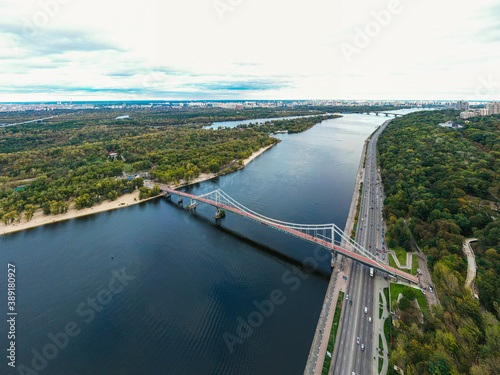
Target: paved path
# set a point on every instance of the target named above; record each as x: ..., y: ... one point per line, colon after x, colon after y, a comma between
x: 471, y: 265
x: 409, y: 260
x: 378, y: 328
x: 320, y: 343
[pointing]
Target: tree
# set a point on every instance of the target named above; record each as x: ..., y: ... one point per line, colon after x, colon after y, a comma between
x: 155, y: 191
x: 214, y: 167
x: 404, y: 303
x: 143, y: 193
x: 10, y: 217
x: 29, y: 211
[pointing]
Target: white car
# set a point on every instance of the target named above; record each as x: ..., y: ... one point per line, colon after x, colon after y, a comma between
x: 370, y: 319
x: 366, y: 309
x: 357, y: 340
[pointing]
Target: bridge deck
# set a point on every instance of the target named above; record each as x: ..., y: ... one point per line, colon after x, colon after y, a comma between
x: 350, y: 254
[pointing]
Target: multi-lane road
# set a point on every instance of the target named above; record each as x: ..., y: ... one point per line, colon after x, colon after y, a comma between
x: 349, y: 356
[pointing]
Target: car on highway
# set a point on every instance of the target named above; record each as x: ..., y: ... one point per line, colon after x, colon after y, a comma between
x: 363, y: 347
x: 366, y: 309
x: 347, y: 296
x: 350, y: 303
x: 357, y: 340
x: 369, y: 319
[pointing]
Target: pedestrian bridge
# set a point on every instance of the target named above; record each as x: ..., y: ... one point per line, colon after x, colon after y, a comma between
x: 327, y: 235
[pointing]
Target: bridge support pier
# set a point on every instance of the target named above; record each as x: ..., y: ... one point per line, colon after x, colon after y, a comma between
x: 192, y: 205
x: 334, y: 258
x: 219, y: 214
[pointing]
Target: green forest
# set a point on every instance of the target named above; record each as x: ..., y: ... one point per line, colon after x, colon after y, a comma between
x: 86, y: 157
x: 446, y: 184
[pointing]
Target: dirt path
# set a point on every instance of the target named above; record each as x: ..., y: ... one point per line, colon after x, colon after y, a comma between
x: 471, y: 265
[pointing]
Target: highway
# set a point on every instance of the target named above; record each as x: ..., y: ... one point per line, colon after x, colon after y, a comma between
x: 354, y: 322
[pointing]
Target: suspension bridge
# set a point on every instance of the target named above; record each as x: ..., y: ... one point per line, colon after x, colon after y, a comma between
x: 327, y: 235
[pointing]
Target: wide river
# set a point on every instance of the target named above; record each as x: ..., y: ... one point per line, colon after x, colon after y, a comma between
x: 154, y: 289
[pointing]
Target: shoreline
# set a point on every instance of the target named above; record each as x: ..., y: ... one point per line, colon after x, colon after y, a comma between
x: 125, y: 200
x: 40, y: 219
x: 317, y: 352
x: 209, y: 176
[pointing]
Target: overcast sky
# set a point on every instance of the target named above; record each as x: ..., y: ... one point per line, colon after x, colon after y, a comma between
x: 249, y: 49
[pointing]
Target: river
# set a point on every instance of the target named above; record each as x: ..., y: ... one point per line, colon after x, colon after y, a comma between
x: 153, y: 289
x: 232, y: 124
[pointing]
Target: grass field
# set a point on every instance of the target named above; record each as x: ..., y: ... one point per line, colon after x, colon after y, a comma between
x: 414, y: 264
x: 333, y: 334
x: 386, y: 292
x: 401, y: 254
x: 387, y: 333
x: 397, y: 288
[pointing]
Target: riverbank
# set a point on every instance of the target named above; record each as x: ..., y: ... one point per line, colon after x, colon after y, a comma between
x: 125, y: 200
x: 39, y: 218
x: 208, y: 176
x: 319, y: 346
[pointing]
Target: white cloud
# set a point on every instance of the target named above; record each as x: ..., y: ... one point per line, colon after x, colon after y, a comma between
x: 286, y: 49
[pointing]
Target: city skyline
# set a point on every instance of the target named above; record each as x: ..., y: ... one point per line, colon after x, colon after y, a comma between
x: 63, y: 50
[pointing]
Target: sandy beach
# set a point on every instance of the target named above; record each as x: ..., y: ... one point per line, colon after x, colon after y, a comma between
x: 123, y: 201
x: 40, y: 219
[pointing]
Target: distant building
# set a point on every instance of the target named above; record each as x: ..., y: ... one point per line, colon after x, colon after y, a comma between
x: 466, y: 114
x: 493, y: 108
x: 450, y: 125
x: 462, y: 105
x: 482, y: 111
x: 113, y: 155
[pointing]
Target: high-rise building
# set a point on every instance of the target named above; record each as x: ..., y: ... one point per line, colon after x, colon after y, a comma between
x: 483, y: 111
x: 493, y: 108
x: 465, y: 115
x: 462, y: 105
